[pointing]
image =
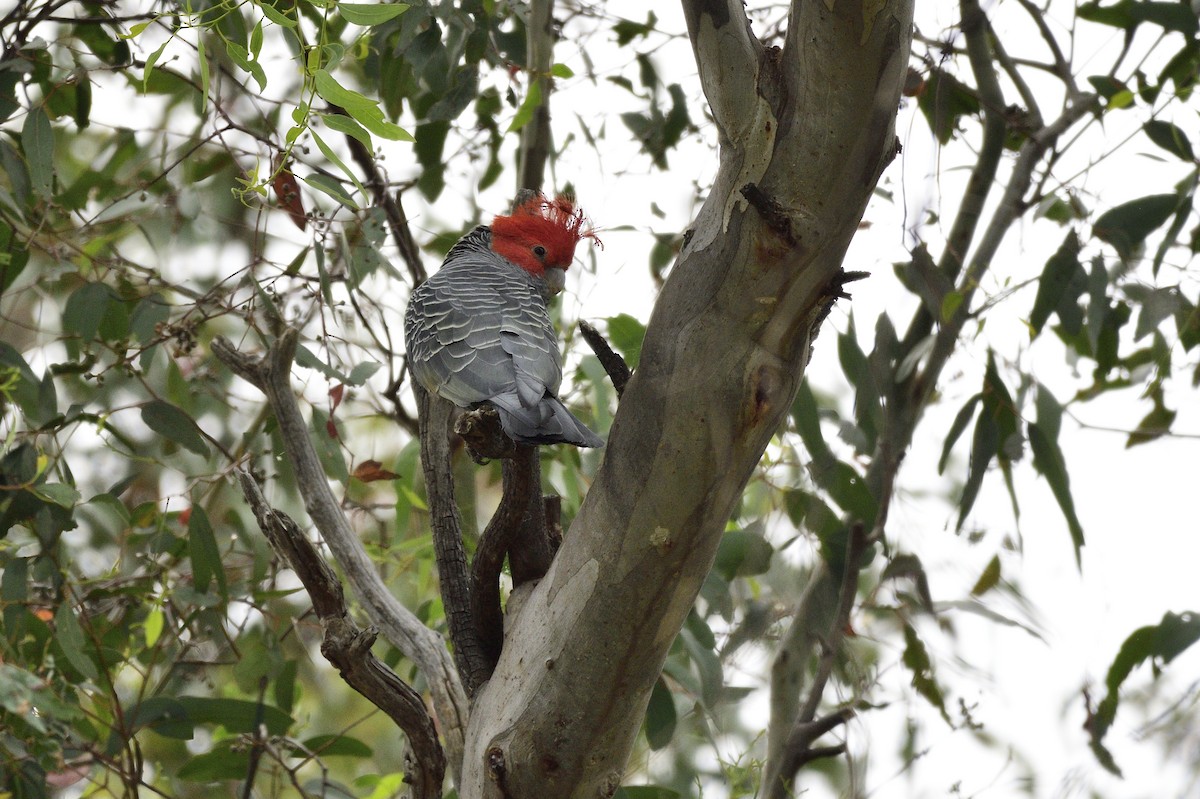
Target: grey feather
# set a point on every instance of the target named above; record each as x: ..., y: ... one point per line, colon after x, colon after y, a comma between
x: 478, y: 331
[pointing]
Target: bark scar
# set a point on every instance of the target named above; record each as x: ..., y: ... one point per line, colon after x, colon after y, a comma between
x: 771, y: 212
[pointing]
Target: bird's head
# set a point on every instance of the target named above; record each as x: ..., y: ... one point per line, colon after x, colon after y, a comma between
x: 540, y: 236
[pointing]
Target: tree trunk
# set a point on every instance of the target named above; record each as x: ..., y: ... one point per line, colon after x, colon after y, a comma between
x: 804, y: 132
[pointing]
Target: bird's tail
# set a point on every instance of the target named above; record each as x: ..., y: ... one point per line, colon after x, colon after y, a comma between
x: 548, y: 422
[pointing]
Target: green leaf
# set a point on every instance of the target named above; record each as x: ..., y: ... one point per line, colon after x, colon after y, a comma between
x: 85, y: 310
x: 275, y: 15
x: 1171, y: 138
x: 1126, y: 226
x: 533, y: 99
x: 984, y: 446
x: 907, y: 565
x: 327, y: 185
x: 743, y: 553
x: 370, y: 14
x: 806, y: 416
x: 345, y: 125
x: 306, y: 358
x: 626, y: 334
x: 334, y: 158
x: 328, y: 745
x: 329, y: 451
x: 964, y: 416
x: 1154, y: 425
x: 224, y: 762
x: 151, y: 60
x: 204, y: 553
x: 328, y: 87
x: 60, y: 494
x: 69, y: 636
x: 561, y: 71
x: 1163, y: 643
x: 165, y: 715
x: 989, y: 578
x: 1128, y: 14
x: 699, y: 642
x: 916, y: 660
x: 1057, y: 276
x: 1048, y: 460
x: 173, y: 424
x: 945, y: 100
x: 363, y: 109
x: 660, y: 716
x: 37, y: 140
x: 431, y: 142
x: 236, y: 715
x: 204, y: 79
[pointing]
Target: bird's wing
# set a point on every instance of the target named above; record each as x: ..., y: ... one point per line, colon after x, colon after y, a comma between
x: 479, y: 328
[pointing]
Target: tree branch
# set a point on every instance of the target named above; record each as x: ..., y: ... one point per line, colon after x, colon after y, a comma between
x: 618, y: 371
x: 723, y: 355
x: 496, y: 541
x: 349, y: 648
x: 271, y: 375
x: 727, y: 56
x: 535, y: 136
x: 434, y: 415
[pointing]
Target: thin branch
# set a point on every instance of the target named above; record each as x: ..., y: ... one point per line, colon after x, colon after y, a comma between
x: 1062, y: 67
x: 1014, y: 74
x: 798, y: 748
x: 618, y: 371
x: 271, y: 374
x: 535, y: 136
x: 348, y: 648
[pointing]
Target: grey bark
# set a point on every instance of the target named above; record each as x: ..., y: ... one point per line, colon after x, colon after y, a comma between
x: 804, y: 135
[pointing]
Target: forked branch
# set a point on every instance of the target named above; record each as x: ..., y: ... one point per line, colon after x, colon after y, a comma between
x: 271, y: 374
x: 348, y: 647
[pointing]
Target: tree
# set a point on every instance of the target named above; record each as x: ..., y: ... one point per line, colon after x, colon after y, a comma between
x: 242, y: 220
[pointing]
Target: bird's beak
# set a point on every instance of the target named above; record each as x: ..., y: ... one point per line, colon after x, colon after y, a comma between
x: 556, y: 279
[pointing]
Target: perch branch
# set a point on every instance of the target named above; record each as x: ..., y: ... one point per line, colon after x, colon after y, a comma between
x: 271, y: 374
x: 530, y: 554
x: 434, y: 415
x: 485, y: 439
x: 348, y: 648
x: 495, y: 542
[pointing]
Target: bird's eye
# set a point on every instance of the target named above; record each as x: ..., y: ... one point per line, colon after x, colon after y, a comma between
x: 539, y: 251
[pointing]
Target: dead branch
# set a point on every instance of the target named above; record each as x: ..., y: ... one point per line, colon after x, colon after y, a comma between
x: 348, y: 647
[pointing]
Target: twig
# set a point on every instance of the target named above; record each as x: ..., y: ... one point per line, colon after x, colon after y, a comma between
x: 348, y: 648
x: 618, y: 371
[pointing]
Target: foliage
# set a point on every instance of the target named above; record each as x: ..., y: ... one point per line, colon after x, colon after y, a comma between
x: 173, y: 172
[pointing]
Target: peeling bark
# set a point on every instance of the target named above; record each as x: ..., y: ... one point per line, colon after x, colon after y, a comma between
x: 810, y: 130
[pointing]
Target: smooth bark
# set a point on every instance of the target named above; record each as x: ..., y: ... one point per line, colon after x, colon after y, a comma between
x: 805, y: 133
